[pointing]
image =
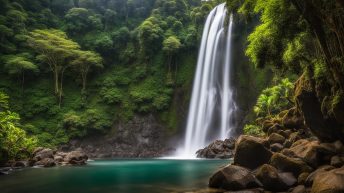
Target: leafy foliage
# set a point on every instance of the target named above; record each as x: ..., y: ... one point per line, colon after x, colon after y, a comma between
x: 274, y: 99
x: 14, y: 143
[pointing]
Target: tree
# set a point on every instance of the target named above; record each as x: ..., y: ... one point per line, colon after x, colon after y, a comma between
x: 56, y: 50
x: 81, y: 20
x: 84, y: 61
x: 19, y: 64
x: 170, y: 46
x: 150, y: 36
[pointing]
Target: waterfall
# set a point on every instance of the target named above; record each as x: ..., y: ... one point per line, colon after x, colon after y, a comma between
x: 212, y: 104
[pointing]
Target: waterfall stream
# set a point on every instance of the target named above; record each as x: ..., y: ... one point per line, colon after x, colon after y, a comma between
x: 212, y: 104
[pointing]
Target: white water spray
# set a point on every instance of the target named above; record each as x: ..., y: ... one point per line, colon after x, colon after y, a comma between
x: 212, y: 102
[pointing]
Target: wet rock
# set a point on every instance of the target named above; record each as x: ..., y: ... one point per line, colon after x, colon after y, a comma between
x: 299, y: 189
x: 275, y: 129
x: 234, y: 178
x: 247, y: 149
x: 288, y: 178
x: 218, y: 149
x: 46, y: 162
x: 311, y: 152
x: 293, y: 119
x: 302, y: 178
x: 76, y: 158
x: 276, y: 147
x: 337, y: 161
x: 287, y: 164
x: 329, y: 181
x: 5, y: 170
x: 20, y: 164
x: 276, y: 138
x: 271, y: 180
x: 256, y: 190
x: 42, y: 153
x: 310, y: 178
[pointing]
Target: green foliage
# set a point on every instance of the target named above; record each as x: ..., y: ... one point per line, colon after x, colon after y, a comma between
x: 14, y: 143
x: 274, y: 99
x: 253, y: 130
x: 127, y: 39
x: 171, y: 45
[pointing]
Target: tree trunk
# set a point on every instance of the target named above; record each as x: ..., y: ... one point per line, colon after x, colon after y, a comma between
x: 23, y: 80
x: 56, y: 79
x: 61, y: 88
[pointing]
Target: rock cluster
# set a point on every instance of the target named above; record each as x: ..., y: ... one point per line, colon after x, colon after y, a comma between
x: 287, y: 160
x: 221, y: 149
x: 48, y: 158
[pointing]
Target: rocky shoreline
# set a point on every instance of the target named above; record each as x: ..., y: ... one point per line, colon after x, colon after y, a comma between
x: 286, y: 160
x: 45, y: 157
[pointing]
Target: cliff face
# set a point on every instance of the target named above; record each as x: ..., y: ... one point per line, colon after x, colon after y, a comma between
x: 143, y: 136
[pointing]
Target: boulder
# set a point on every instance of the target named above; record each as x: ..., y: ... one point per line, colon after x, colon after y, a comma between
x: 311, y: 152
x: 76, y: 158
x: 218, y: 149
x: 276, y: 138
x: 337, y: 161
x: 275, y: 128
x: 299, y: 189
x: 46, y: 162
x: 19, y: 164
x: 322, y: 124
x: 311, y: 176
x: 266, y: 125
x: 247, y: 150
x: 287, y: 164
x: 42, y: 153
x: 329, y: 181
x: 293, y: 119
x: 276, y: 147
x: 302, y: 178
x: 234, y: 178
x: 270, y: 179
x: 256, y: 190
x: 288, y: 178
x: 58, y: 158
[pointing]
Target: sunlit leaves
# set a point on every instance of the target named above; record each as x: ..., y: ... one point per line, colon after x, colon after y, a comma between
x: 13, y: 140
x: 274, y: 99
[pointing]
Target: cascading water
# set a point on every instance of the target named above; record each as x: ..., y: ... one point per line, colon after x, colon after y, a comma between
x: 212, y: 102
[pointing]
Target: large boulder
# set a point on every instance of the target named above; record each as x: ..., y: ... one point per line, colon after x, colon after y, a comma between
x: 233, y: 178
x: 329, y: 181
x: 276, y: 138
x: 251, y: 152
x: 76, y: 158
x: 288, y: 164
x: 272, y: 180
x: 311, y: 176
x: 218, y: 149
x: 42, y: 153
x: 311, y: 152
x: 319, y: 112
x: 293, y: 119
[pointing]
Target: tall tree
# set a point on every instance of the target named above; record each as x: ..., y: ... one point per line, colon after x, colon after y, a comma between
x: 83, y: 63
x: 19, y: 64
x: 56, y: 50
x: 170, y: 46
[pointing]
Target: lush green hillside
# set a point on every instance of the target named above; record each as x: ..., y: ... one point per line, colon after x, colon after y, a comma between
x: 73, y: 68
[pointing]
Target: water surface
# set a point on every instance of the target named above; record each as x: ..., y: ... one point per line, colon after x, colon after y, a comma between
x: 114, y: 176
